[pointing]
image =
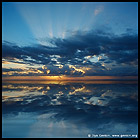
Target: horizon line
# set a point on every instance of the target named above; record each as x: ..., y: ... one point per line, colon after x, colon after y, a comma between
x: 67, y: 78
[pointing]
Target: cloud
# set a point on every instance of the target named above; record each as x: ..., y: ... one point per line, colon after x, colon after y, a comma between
x: 82, y: 48
x: 98, y: 10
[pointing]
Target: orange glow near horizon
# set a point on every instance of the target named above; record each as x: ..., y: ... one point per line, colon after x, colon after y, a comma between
x: 66, y: 78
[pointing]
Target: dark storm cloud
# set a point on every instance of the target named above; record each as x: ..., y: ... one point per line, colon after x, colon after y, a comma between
x: 79, y: 45
x: 11, y: 51
x: 11, y: 69
x: 127, y: 57
x: 121, y: 49
x: 82, y: 43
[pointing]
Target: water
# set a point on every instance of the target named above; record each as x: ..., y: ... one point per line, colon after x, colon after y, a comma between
x: 69, y: 109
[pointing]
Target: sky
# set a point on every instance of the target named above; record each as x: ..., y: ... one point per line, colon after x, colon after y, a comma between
x: 69, y: 39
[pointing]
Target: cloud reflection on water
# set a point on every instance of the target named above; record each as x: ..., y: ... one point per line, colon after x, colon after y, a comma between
x: 70, y: 109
